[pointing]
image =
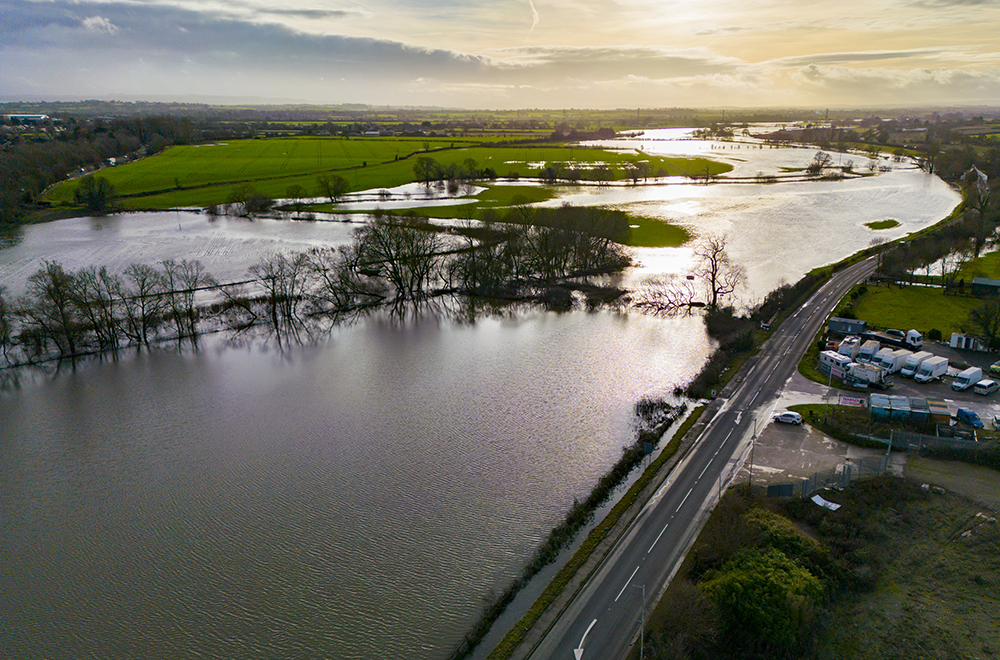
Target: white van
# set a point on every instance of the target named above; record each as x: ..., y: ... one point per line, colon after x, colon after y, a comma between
x: 966, y: 379
x: 986, y: 387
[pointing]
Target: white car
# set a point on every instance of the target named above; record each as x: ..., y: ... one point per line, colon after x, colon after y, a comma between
x: 788, y: 417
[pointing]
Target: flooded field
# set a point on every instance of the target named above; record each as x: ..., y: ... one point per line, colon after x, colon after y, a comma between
x: 359, y: 497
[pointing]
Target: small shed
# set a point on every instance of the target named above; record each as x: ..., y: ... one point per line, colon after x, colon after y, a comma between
x: 967, y: 343
x: 880, y: 406
x: 842, y: 326
x: 984, y: 287
x: 920, y: 411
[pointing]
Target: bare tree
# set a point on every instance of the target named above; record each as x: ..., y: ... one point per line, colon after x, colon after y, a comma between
x: 295, y: 194
x: 409, y: 259
x: 180, y: 282
x: 143, y: 302
x: 95, y: 297
x: 283, y: 280
x: 5, y: 324
x: 48, y: 313
x: 719, y: 275
x: 336, y: 285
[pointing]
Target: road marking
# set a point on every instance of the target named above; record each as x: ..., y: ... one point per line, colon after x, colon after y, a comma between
x: 754, y: 398
x: 621, y: 592
x: 685, y: 499
x: 658, y: 536
x: 704, y: 471
x: 578, y: 651
x: 739, y: 416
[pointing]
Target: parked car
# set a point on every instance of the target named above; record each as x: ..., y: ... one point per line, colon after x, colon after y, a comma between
x: 788, y: 417
x: 970, y: 417
x: 986, y: 387
x: 995, y: 368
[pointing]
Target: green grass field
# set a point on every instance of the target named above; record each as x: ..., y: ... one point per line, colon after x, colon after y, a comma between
x: 652, y: 232
x: 922, y: 308
x: 202, y: 175
x: 987, y: 265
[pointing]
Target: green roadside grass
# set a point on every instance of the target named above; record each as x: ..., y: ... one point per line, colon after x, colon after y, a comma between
x: 558, y: 584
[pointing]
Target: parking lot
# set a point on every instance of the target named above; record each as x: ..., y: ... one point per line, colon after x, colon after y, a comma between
x: 985, y: 406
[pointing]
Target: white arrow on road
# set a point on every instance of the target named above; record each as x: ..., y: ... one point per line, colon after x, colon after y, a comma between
x: 578, y: 652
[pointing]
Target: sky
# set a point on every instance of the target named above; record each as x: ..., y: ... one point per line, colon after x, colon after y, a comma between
x: 506, y: 54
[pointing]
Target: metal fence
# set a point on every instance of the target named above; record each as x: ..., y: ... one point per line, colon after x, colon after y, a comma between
x: 838, y: 478
x: 920, y: 441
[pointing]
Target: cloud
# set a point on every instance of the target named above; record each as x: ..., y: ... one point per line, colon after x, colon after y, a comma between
x: 316, y: 14
x: 900, y: 86
x: 860, y: 56
x: 100, y: 24
x: 247, y: 48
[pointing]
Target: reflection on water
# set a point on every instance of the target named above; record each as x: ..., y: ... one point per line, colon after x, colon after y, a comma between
x: 352, y: 499
x: 10, y: 236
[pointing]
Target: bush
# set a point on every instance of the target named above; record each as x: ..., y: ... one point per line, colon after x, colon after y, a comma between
x: 95, y: 194
x: 766, y: 602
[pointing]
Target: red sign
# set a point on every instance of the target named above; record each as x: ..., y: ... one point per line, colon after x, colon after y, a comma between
x: 853, y: 401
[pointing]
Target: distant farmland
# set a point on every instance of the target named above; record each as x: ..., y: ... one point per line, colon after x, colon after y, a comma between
x: 202, y: 175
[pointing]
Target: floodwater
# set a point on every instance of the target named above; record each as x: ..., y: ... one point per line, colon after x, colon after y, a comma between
x: 357, y: 498
x: 352, y: 500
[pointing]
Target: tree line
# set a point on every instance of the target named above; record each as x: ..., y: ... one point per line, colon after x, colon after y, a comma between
x: 32, y: 160
x: 391, y: 264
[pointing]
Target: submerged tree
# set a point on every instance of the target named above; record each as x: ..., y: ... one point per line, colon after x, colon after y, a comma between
x: 719, y: 275
x: 142, y: 301
x: 48, y: 312
x: 5, y: 323
x: 408, y: 259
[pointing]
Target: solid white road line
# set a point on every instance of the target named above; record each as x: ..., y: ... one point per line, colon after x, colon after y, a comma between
x: 623, y: 589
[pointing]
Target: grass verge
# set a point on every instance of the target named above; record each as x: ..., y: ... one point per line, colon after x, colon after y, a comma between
x: 558, y: 584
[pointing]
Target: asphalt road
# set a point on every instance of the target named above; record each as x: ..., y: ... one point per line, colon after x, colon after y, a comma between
x: 603, y: 621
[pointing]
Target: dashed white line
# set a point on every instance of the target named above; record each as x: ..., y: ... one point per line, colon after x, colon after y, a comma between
x: 626, y: 584
x: 704, y: 471
x: 657, y: 538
